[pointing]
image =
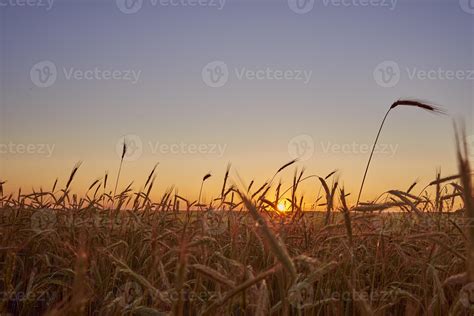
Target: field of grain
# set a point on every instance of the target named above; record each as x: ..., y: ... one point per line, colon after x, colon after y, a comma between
x: 156, y: 261
x: 408, y: 253
x: 148, y: 262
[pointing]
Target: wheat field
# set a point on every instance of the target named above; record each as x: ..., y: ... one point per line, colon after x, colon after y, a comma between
x: 407, y: 253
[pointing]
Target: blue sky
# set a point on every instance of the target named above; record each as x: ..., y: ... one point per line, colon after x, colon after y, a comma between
x: 254, y: 122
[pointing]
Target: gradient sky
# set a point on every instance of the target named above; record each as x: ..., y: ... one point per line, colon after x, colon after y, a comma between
x: 254, y: 120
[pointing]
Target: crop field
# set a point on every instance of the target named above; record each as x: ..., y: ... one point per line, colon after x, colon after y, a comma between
x: 410, y: 252
x: 253, y: 250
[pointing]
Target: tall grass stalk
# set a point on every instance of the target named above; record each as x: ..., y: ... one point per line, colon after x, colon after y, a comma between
x: 207, y: 176
x: 124, y: 152
x: 424, y: 106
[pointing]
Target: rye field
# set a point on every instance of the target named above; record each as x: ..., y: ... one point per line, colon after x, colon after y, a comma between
x: 251, y: 251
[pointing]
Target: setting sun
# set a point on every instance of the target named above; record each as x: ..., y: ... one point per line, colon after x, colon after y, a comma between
x: 281, y: 206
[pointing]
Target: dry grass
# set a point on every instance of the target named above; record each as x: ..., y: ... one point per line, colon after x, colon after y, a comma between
x: 155, y: 259
x: 410, y: 103
x: 108, y: 254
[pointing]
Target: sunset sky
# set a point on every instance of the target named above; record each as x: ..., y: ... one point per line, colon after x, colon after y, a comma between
x: 76, y: 77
